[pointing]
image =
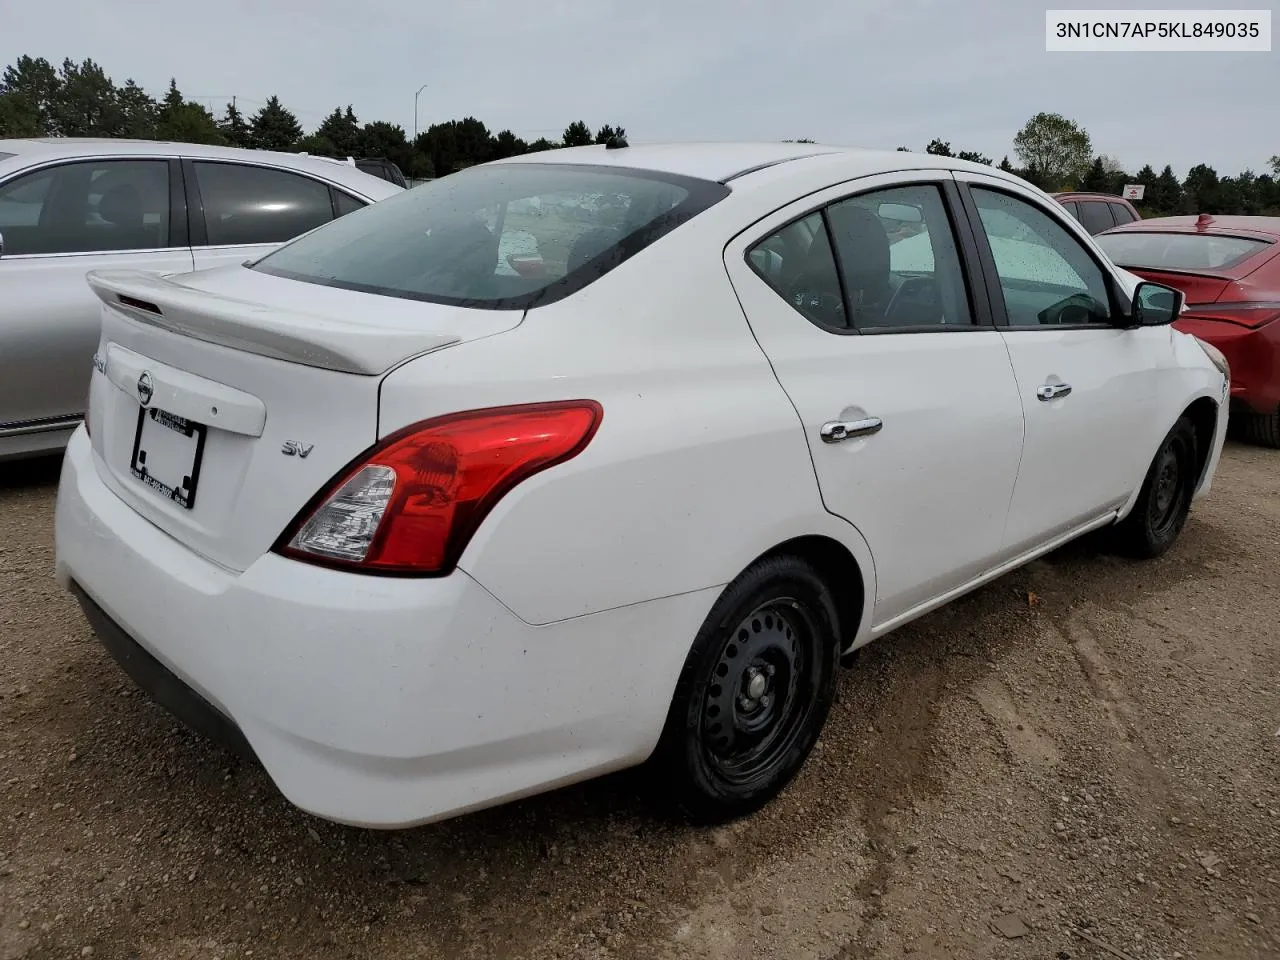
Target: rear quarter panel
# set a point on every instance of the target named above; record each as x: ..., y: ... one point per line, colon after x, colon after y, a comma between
x: 700, y: 464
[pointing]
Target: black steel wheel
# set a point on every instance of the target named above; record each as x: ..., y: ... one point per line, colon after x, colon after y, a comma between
x: 754, y: 693
x: 1165, y: 500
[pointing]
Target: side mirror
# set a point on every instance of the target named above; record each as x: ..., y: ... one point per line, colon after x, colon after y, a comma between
x: 1155, y: 305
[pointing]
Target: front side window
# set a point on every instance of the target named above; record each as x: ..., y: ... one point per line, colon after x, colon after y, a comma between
x: 1046, y: 275
x: 86, y: 207
x: 246, y: 205
x: 1179, y: 251
x: 500, y: 236
x: 898, y: 255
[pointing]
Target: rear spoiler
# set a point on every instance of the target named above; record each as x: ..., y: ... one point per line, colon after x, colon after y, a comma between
x: 289, y: 335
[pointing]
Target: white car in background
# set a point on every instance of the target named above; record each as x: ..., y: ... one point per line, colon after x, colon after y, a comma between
x: 424, y: 535
x: 68, y: 206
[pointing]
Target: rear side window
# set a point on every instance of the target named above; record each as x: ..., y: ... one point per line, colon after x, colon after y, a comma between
x: 1073, y: 208
x: 346, y: 203
x: 1179, y: 251
x: 1121, y: 213
x: 1096, y: 216
x: 86, y: 207
x: 247, y: 205
x: 500, y: 236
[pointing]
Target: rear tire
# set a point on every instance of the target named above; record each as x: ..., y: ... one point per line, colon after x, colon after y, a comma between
x: 1262, y: 428
x: 1161, y: 511
x: 754, y: 693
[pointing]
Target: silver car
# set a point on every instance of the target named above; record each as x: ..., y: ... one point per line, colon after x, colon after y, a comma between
x: 68, y: 206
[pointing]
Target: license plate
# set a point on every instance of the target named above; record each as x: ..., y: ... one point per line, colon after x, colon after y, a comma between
x: 167, y: 450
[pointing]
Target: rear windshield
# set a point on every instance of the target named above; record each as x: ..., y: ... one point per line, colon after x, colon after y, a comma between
x: 501, y: 236
x: 1178, y: 251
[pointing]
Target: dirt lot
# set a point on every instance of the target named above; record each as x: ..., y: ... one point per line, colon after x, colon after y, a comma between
x: 1079, y: 761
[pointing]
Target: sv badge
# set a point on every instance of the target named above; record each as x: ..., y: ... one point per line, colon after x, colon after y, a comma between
x: 294, y: 448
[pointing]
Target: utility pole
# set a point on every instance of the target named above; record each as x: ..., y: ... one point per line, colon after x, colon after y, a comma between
x: 415, y: 112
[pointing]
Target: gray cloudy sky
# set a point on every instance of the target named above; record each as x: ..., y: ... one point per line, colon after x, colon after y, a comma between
x: 879, y: 73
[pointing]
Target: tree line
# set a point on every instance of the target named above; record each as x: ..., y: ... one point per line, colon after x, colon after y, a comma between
x: 80, y: 100
x: 1057, y: 154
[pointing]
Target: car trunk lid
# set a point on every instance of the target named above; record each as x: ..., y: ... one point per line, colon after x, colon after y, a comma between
x: 223, y: 400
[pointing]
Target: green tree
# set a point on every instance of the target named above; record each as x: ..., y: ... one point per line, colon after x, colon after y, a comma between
x: 342, y: 130
x: 316, y: 145
x: 939, y: 148
x: 19, y: 117
x: 274, y: 127
x: 1055, y: 151
x: 234, y: 128
x: 382, y: 139
x: 1165, y: 195
x: 608, y: 132
x: 973, y: 156
x: 183, y: 121
x: 138, y: 112
x: 31, y: 86
x: 542, y: 143
x: 507, y: 144
x: 1006, y: 166
x: 1096, y: 178
x: 1200, y: 190
x: 84, y: 104
x: 1275, y: 165
x: 576, y: 134
x: 904, y: 150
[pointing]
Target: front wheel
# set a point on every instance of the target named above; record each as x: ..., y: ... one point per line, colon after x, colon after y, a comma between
x: 1162, y: 507
x: 754, y: 693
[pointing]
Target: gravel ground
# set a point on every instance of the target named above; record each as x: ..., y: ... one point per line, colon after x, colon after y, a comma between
x: 1079, y: 761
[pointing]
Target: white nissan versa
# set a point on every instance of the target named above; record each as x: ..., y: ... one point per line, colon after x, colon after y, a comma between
x: 425, y: 532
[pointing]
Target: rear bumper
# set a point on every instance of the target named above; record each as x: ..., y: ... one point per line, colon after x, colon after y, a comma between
x: 158, y: 680
x: 372, y: 701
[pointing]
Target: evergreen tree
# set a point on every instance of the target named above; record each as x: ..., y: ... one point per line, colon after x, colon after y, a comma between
x: 274, y: 127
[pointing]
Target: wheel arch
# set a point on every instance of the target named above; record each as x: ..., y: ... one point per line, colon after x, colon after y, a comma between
x: 844, y: 576
x: 1202, y: 411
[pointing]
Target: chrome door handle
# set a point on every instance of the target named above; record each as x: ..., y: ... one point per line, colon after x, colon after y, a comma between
x: 1052, y: 391
x: 833, y: 431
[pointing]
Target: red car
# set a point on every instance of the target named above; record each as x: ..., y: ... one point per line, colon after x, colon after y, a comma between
x: 1098, y: 211
x: 1229, y: 270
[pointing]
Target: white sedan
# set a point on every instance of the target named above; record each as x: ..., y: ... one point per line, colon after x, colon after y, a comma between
x: 423, y: 533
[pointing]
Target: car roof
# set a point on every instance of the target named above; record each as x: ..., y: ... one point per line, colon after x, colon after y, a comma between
x: 1087, y: 195
x: 40, y: 149
x: 726, y: 161
x: 1264, y: 228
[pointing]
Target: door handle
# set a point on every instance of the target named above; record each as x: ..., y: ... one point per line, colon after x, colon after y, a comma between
x: 1052, y: 391
x: 833, y: 431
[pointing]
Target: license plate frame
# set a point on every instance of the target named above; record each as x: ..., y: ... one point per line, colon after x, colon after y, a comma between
x: 182, y: 487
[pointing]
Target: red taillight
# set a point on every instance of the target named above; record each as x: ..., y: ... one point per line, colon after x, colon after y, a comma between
x: 411, y: 504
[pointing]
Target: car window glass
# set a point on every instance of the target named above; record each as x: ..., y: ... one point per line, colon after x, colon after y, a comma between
x: 1072, y: 208
x: 506, y: 236
x: 1179, y: 251
x: 1046, y: 275
x: 1096, y: 216
x: 245, y: 204
x: 347, y: 203
x: 798, y: 263
x: 899, y: 260
x: 87, y: 206
x: 1121, y: 213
